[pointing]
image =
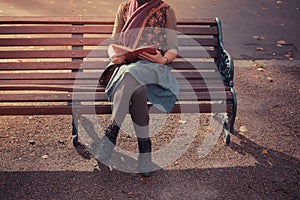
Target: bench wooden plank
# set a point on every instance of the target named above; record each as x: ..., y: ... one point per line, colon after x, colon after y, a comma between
x: 98, y: 53
x: 197, y: 30
x: 38, y: 29
x: 68, y: 41
x: 96, y: 75
x: 89, y: 20
x: 91, y: 83
x: 54, y: 65
x: 102, y: 109
x: 97, y: 88
x: 96, y: 29
x: 101, y: 96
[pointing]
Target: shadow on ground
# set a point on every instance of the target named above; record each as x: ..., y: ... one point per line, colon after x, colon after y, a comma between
x: 275, y: 176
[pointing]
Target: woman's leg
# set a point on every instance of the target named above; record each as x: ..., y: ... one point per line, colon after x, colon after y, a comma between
x: 122, y: 97
x: 139, y: 112
x: 121, y: 100
x: 140, y: 117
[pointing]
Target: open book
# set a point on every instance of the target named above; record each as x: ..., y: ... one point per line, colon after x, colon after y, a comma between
x: 131, y: 55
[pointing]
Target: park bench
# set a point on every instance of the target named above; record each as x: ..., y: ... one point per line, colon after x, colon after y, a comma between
x: 51, y: 66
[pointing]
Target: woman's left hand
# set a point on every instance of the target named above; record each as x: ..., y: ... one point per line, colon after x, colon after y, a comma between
x: 157, y: 58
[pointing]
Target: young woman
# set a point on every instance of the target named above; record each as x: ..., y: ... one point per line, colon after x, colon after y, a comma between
x: 140, y: 23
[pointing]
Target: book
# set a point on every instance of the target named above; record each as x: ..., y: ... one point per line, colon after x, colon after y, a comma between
x: 131, y: 55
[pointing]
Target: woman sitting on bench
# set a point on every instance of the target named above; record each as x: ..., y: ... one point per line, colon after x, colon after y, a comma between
x: 141, y: 23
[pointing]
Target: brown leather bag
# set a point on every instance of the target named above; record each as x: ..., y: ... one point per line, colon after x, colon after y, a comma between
x: 107, y: 74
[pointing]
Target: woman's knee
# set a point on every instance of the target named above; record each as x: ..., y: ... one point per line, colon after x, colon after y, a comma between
x: 138, y: 108
x: 139, y: 94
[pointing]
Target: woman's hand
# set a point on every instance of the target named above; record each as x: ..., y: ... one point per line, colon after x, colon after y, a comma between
x: 115, y: 58
x: 157, y: 58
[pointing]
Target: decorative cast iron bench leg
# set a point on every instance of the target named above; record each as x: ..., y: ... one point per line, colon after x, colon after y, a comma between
x: 234, y: 102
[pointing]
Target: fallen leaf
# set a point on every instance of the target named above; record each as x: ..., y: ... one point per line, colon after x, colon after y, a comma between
x: 281, y: 42
x: 259, y: 37
x: 264, y: 152
x: 261, y: 69
x: 243, y: 129
x: 258, y: 65
x: 259, y: 49
x: 182, y: 122
x: 145, y: 179
x: 264, y: 8
x: 61, y: 142
x: 288, y: 55
x: 278, y: 4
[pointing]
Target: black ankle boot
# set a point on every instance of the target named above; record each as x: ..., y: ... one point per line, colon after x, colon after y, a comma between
x: 108, y: 143
x: 144, y: 158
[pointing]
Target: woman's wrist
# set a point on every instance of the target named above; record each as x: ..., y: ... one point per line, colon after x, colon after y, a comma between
x: 166, y: 60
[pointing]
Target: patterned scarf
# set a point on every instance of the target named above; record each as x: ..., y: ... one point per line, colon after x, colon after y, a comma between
x: 137, y: 15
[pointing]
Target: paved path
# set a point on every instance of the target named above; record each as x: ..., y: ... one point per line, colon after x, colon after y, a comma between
x: 242, y: 20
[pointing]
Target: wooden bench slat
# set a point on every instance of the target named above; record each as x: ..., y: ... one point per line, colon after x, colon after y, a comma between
x: 52, y: 97
x: 197, y: 21
x: 49, y: 76
x: 101, y: 109
x: 52, y: 65
x: 101, y: 96
x: 92, y: 82
x: 89, y: 20
x: 93, y: 65
x: 48, y: 82
x: 96, y: 75
x: 19, y: 54
x: 91, y: 41
x: 98, y: 29
x: 197, y: 30
x: 190, y: 41
x: 98, y: 88
x: 53, y: 54
x: 56, y: 20
x: 65, y: 88
x: 53, y: 41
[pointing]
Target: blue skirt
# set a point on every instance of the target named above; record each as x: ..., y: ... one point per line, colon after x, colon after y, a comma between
x: 162, y: 86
